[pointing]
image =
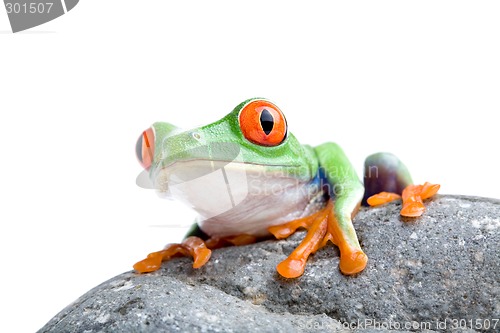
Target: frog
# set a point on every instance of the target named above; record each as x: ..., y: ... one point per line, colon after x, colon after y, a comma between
x: 248, y: 178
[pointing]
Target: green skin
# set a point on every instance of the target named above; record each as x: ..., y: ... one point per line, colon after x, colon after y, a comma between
x: 291, y: 158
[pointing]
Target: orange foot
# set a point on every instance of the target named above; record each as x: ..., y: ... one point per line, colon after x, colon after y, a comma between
x: 191, y: 246
x: 413, y: 196
x: 322, y: 226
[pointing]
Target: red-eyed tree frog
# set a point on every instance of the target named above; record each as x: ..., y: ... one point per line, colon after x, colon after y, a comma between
x: 248, y: 178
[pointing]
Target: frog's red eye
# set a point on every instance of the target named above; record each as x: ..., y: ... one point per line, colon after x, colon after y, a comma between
x: 261, y: 122
x: 145, y: 148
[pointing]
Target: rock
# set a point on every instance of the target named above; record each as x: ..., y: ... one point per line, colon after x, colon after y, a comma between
x: 425, y: 273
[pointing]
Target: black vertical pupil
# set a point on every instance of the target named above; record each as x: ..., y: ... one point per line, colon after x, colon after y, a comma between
x: 266, y: 121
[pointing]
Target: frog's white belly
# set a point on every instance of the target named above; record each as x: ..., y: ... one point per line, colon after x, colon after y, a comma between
x: 258, y: 212
x: 236, y: 198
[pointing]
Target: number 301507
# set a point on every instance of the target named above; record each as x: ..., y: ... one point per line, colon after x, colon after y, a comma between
x: 29, y: 8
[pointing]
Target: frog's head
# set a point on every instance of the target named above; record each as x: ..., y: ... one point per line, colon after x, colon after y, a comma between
x: 250, y: 145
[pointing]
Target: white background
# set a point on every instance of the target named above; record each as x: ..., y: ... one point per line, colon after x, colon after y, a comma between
x: 420, y: 79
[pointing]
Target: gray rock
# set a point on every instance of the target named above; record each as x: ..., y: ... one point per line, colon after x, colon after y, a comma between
x: 425, y: 272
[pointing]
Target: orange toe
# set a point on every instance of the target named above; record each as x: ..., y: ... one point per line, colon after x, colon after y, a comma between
x: 413, y: 196
x: 352, y: 262
x: 428, y: 190
x: 150, y: 264
x: 412, y: 209
x: 382, y: 198
x: 291, y: 268
x: 282, y: 231
x: 197, y: 248
x: 201, y: 258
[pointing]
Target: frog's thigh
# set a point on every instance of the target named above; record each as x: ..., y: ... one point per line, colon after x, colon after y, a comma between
x: 384, y: 172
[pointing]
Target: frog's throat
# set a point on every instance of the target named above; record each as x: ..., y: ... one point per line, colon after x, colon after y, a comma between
x: 212, y: 188
x: 197, y: 169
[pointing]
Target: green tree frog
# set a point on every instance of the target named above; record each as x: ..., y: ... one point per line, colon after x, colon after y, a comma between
x: 248, y: 178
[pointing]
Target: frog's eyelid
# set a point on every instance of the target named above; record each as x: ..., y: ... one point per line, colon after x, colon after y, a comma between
x: 251, y: 100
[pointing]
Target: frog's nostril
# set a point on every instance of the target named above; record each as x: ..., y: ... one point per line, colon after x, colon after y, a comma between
x: 145, y: 148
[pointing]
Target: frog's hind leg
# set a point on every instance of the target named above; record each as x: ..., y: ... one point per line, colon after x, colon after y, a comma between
x: 385, y: 173
x: 386, y: 178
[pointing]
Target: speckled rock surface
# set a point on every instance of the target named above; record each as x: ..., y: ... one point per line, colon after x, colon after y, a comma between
x: 425, y: 273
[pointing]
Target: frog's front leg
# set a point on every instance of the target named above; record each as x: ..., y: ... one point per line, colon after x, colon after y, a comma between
x: 317, y: 228
x: 347, y: 191
x: 196, y: 244
x: 341, y: 231
x: 334, y: 222
x: 192, y: 246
